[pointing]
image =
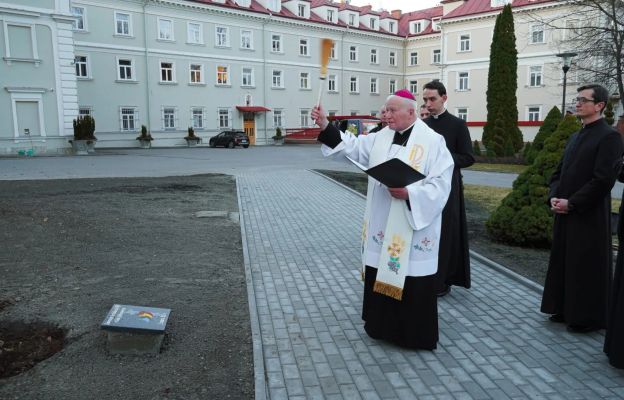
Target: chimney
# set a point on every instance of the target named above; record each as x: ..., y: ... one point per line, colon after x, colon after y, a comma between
x: 396, y: 14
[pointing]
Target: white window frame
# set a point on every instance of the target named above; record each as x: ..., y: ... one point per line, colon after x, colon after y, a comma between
x: 82, y: 109
x: 304, y: 81
x: 392, y: 86
x: 280, y: 78
x: 351, y: 19
x: 278, y: 118
x: 535, y: 78
x: 391, y: 26
x: 304, y: 47
x: 226, y: 82
x: 332, y: 80
x: 131, y: 67
x: 250, y: 77
x: 416, y: 27
x: 192, y: 72
x: 79, y: 17
x: 354, y: 84
x: 464, y: 43
x: 373, y: 56
x: 331, y: 17
x: 86, y: 64
x: 224, y: 123
x: 436, y: 53
x: 413, y: 58
x: 301, y: 10
x: 202, y: 119
x: 332, y: 53
x: 536, y: 29
x: 135, y: 118
x: 243, y: 36
x: 374, y: 85
x: 530, y: 113
x: 304, y: 117
x: 173, y: 121
x: 276, y: 42
x: 225, y: 34
x: 353, y: 53
x: 189, y: 38
x: 392, y: 59
x: 413, y: 86
x: 162, y: 33
x: 161, y: 69
x: 130, y: 30
x: 435, y: 23
x: 460, y: 79
x: 462, y: 111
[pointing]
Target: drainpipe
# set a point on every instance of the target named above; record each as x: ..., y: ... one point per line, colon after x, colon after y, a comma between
x: 342, y: 80
x: 404, y: 63
x: 264, y: 80
x: 147, y: 80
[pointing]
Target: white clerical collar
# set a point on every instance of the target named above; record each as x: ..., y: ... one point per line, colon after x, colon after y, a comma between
x: 405, y: 130
x: 438, y: 115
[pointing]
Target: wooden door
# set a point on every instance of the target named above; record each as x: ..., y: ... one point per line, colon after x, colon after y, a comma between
x: 249, y: 126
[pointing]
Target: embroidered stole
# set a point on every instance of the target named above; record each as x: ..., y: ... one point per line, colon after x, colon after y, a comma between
x: 395, y: 250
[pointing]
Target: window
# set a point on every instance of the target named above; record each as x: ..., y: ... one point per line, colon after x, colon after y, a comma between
x: 373, y: 86
x: 197, y: 73
x: 301, y: 10
x: 165, y: 29
x: 276, y: 81
x: 537, y: 34
x: 125, y: 69
x: 222, y: 75
x: 392, y: 86
x: 246, y: 39
x: 303, y: 47
x: 352, y: 19
x: 330, y: 15
x: 353, y: 84
x: 276, y: 43
x: 353, y: 53
x: 464, y: 42
x: 437, y: 56
x: 222, y: 37
x: 82, y: 111
x: 169, y: 117
x: 128, y: 119
x: 304, y: 80
x: 392, y: 59
x: 462, y: 81
x: 79, y: 21
x: 571, y: 30
x: 197, y: 117
x: 373, y: 56
x: 331, y: 83
x: 462, y: 113
x: 166, y: 72
x: 413, y: 58
x: 278, y: 120
x: 435, y: 24
x: 413, y: 87
x: 224, y: 117
x: 81, y: 67
x: 415, y: 27
x: 535, y: 76
x: 373, y: 23
x: 533, y: 113
x: 332, y: 53
x: 194, y: 33
x: 247, y: 77
x: 391, y: 26
x: 304, y: 118
x: 123, y: 24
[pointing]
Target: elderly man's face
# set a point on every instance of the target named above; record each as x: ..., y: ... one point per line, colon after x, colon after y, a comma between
x: 433, y: 101
x: 400, y: 114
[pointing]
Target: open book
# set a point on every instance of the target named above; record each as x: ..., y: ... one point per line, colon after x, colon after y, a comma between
x: 393, y: 173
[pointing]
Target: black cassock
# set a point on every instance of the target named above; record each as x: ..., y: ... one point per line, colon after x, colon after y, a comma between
x: 411, y: 322
x: 614, y: 339
x: 580, y: 265
x: 454, y: 259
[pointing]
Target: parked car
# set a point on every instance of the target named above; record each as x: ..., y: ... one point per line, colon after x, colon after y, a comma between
x: 230, y: 139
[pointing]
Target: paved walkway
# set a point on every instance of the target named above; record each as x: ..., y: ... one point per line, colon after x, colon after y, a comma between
x: 301, y: 235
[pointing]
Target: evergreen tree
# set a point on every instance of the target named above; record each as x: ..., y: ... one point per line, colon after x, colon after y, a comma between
x: 524, y: 217
x: 609, y: 116
x: 551, y: 122
x: 501, y: 134
x: 476, y: 148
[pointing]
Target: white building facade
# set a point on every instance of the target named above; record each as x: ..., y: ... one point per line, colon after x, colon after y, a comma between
x: 254, y: 65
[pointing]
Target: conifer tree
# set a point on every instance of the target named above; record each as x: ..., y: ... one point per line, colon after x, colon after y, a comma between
x: 524, y: 217
x: 551, y: 122
x: 501, y: 135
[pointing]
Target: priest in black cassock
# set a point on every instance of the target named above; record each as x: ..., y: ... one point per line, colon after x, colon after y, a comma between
x: 454, y: 261
x: 580, y: 266
x: 614, y: 339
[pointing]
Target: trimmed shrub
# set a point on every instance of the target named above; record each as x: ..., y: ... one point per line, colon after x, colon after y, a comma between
x: 84, y: 128
x: 551, y: 122
x: 524, y: 217
x: 476, y: 148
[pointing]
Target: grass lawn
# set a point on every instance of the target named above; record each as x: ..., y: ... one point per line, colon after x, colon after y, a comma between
x: 505, y: 168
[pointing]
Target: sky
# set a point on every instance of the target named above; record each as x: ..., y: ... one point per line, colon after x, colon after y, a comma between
x: 403, y: 5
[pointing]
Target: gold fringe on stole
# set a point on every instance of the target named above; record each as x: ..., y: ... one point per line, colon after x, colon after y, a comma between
x: 388, y: 290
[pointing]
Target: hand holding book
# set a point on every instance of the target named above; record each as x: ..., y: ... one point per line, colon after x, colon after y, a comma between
x: 393, y: 173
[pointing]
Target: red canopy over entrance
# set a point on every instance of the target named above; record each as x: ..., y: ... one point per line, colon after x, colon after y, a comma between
x: 252, y: 108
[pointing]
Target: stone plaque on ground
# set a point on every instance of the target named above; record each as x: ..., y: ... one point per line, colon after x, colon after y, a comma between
x: 135, y: 329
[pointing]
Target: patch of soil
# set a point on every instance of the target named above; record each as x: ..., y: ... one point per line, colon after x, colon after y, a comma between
x: 528, y: 262
x: 5, y: 303
x: 24, y: 344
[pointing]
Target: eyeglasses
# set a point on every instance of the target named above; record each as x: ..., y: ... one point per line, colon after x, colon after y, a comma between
x: 583, y: 100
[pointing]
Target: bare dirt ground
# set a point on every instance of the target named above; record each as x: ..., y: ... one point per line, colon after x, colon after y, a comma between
x: 72, y: 248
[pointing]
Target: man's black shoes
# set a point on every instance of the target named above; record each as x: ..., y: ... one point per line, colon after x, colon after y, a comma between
x: 445, y: 291
x: 582, y: 328
x: 557, y: 318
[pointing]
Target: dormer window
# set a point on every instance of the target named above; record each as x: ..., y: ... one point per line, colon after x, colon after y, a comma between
x: 352, y: 19
x: 301, y: 10
x: 243, y: 3
x: 373, y: 23
x: 416, y: 27
x: 435, y: 24
x: 499, y: 3
x: 330, y: 16
x: 391, y: 26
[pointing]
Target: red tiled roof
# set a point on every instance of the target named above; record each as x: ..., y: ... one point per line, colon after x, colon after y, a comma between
x: 473, y: 7
x: 386, y: 14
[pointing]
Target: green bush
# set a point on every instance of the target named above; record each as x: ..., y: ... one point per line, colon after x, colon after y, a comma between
x: 551, y: 122
x: 145, y: 134
x: 84, y: 128
x: 476, y: 148
x: 524, y: 217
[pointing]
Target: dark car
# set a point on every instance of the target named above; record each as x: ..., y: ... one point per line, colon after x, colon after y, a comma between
x: 229, y: 139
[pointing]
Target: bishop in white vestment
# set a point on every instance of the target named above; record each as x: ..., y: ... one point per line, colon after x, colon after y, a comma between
x: 401, y: 229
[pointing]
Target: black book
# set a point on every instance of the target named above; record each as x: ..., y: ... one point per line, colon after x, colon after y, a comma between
x: 393, y: 173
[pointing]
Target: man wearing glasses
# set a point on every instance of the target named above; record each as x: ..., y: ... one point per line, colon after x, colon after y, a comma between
x: 579, y: 270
